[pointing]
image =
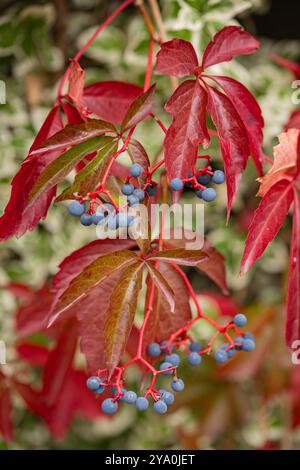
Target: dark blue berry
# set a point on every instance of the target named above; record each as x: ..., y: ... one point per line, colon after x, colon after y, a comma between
x: 166, y: 365
x: 93, y: 383
x: 195, y: 347
x: 177, y: 385
x: 154, y: 350
x: 248, y: 345
x: 231, y: 353
x: 109, y: 406
x: 240, y: 320
x: 174, y: 359
x: 151, y: 190
x: 199, y: 193
x: 160, y: 407
x: 127, y: 189
x: 249, y: 335
x: 124, y: 220
x: 86, y: 219
x: 239, y: 343
x: 221, y: 356
x: 194, y: 359
x: 139, y: 193
x: 112, y: 222
x: 218, y: 177
x: 99, y: 390
x: 133, y: 200
x: 130, y: 397
x: 176, y: 184
x: 164, y: 348
x: 136, y: 170
x: 204, y: 178
x: 76, y: 208
x: 141, y: 403
x: 97, y: 218
x: 208, y: 194
x: 167, y: 397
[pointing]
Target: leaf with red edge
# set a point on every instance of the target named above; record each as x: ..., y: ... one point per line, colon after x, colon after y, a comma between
x: 72, y: 135
x: 18, y: 216
x: 163, y: 285
x: 287, y: 64
x: 91, y: 278
x: 286, y: 157
x: 179, y: 256
x: 76, y: 86
x: 162, y: 322
x: 110, y: 100
x: 138, y: 110
x: 233, y: 140
x: 294, y: 121
x: 187, y: 106
x: 6, y: 424
x: 249, y: 112
x: 293, y: 289
x: 121, y: 312
x: 176, y: 58
x: 59, y: 168
x: 267, y: 220
x: 226, y: 44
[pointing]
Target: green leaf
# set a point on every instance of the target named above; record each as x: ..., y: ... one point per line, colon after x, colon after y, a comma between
x: 121, y: 312
x: 72, y: 135
x: 59, y: 168
x: 90, y: 278
x: 163, y: 285
x: 138, y: 110
x: 90, y: 176
x: 179, y: 256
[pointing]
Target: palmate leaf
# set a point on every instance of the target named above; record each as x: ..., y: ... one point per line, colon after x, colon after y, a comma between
x: 58, y: 169
x: 138, y: 110
x: 90, y: 278
x: 121, y: 312
x: 176, y: 58
x: 90, y: 176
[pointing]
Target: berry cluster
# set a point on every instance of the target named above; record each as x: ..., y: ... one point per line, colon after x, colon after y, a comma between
x: 199, y: 181
x: 163, y: 398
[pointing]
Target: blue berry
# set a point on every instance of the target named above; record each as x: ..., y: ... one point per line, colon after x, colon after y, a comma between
x: 115, y: 392
x: 160, y: 407
x: 154, y: 350
x: 199, y: 193
x: 151, y: 190
x: 204, y: 178
x: 124, y: 220
x: 132, y: 200
x: 176, y: 184
x: 231, y: 353
x: 173, y: 359
x: 127, y: 189
x: 141, y: 403
x: 248, y: 345
x: 109, y: 406
x: 93, y: 383
x: 194, y: 359
x: 76, y: 208
x: 97, y: 218
x: 221, y: 356
x: 249, y: 335
x: 86, y: 219
x: 136, y: 170
x: 130, y: 397
x: 99, y: 390
x: 112, y: 222
x: 167, y: 397
x: 239, y: 343
x: 240, y: 320
x: 163, y: 345
x: 195, y: 347
x: 218, y: 177
x: 177, y: 385
x: 139, y: 193
x: 166, y: 365
x: 209, y: 194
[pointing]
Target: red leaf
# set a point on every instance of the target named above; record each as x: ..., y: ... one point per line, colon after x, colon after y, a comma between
x: 20, y: 291
x: 286, y: 161
x: 179, y: 256
x: 162, y: 322
x: 76, y: 86
x: 267, y: 220
x: 6, y: 425
x: 110, y: 100
x: 187, y: 105
x: 18, y: 218
x: 287, y: 64
x: 226, y: 44
x: 225, y: 305
x: 233, y: 140
x: 293, y: 290
x: 249, y: 112
x: 177, y: 58
x: 138, y: 110
x: 32, y: 317
x: 294, y: 121
x: 33, y: 354
x: 163, y: 285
